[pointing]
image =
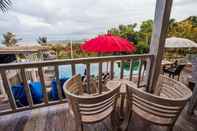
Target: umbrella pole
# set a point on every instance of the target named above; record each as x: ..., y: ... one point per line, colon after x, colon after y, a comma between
x: 107, y: 66
x: 100, y: 54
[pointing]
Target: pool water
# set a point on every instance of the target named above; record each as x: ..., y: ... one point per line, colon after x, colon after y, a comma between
x: 65, y: 70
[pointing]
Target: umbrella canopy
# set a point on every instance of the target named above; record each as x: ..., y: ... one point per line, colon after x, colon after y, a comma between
x: 175, y: 42
x: 108, y: 44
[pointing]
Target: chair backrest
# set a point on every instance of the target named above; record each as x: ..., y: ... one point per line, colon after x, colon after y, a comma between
x: 93, y: 87
x: 87, y: 105
x: 161, y: 110
x: 179, y: 68
x: 75, y: 85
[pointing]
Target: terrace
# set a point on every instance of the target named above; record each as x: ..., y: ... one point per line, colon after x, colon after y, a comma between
x: 55, y: 114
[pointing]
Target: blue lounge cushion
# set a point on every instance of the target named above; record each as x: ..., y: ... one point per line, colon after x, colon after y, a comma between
x: 54, y: 92
x: 36, y: 91
x: 20, y: 96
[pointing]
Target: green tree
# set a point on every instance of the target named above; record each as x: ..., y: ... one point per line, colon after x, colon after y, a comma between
x: 59, y: 49
x: 5, y: 5
x: 125, y: 31
x: 183, y: 29
x: 193, y: 19
x: 142, y: 47
x: 146, y: 31
x: 9, y: 39
x: 114, y: 31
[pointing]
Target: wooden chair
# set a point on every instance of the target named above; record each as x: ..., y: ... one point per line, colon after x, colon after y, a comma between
x: 174, y: 71
x: 162, y: 109
x: 90, y: 108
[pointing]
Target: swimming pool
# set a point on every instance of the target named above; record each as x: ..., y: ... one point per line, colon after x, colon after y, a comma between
x: 65, y: 70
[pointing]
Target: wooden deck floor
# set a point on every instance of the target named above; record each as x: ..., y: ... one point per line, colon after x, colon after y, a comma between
x: 58, y: 118
x: 184, y: 123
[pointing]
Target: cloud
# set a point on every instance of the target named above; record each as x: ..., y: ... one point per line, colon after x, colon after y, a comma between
x: 75, y: 19
x: 184, y: 2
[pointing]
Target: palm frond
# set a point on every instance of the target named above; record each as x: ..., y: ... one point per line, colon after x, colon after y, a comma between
x: 5, y: 5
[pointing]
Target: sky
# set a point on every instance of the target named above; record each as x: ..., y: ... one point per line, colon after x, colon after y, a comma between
x: 81, y: 19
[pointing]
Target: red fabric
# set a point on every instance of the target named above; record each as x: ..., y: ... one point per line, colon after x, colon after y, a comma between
x: 108, y: 44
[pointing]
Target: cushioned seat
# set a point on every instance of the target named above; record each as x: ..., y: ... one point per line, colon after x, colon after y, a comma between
x: 36, y: 91
x: 20, y: 96
x: 54, y: 93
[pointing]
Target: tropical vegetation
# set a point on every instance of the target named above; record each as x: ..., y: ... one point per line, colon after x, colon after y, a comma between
x: 42, y: 40
x: 139, y: 35
x: 9, y: 39
x: 142, y: 37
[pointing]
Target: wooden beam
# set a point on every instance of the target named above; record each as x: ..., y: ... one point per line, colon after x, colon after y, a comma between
x: 160, y: 26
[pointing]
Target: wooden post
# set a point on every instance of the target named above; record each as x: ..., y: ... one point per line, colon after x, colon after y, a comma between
x: 160, y: 26
x: 193, y: 100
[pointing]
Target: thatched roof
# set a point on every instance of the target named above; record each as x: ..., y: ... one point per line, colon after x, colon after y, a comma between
x: 22, y: 49
x: 174, y: 42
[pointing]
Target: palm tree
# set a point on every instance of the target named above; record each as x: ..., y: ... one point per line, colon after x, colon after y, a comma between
x: 4, y: 5
x: 42, y: 40
x: 9, y: 39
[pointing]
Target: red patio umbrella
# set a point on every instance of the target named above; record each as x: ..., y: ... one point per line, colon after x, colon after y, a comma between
x: 108, y: 44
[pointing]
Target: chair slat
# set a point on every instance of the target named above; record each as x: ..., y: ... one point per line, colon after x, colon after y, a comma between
x: 96, y: 104
x: 97, y: 111
x: 155, y: 108
x: 155, y: 113
x: 97, y: 98
x: 95, y: 108
x: 171, y: 92
x: 163, y: 107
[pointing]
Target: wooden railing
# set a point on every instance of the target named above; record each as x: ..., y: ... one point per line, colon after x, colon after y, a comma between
x: 73, y: 62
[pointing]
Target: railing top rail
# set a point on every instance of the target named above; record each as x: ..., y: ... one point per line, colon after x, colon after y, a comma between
x: 72, y: 61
